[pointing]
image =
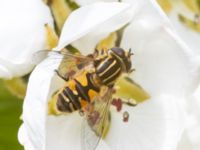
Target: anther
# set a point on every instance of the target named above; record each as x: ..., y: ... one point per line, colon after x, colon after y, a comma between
x: 125, y: 116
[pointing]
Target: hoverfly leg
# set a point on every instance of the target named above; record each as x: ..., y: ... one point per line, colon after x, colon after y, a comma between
x: 81, y: 112
x: 62, y: 77
x: 90, y: 55
x: 111, y: 86
x: 130, y: 102
x: 132, y: 70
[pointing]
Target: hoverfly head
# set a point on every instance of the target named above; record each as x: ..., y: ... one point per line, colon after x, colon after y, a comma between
x: 124, y: 56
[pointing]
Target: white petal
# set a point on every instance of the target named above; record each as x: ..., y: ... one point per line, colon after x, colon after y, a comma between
x: 22, y: 34
x: 89, y: 24
x: 64, y: 132
x: 23, y: 138
x: 190, y: 140
x: 35, y: 104
x: 160, y: 60
x: 185, y: 143
x: 190, y: 37
x: 153, y: 125
x: 39, y: 130
x: 86, y: 2
x: 192, y: 133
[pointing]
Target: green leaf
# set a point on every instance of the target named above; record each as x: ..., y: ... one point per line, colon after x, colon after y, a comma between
x: 10, y: 111
x: 17, y: 86
x: 198, y: 3
x: 73, y: 5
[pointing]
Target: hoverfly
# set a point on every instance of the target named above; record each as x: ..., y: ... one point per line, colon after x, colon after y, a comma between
x: 89, y: 87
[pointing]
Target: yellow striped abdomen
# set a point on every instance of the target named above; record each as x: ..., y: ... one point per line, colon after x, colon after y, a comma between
x: 75, y: 95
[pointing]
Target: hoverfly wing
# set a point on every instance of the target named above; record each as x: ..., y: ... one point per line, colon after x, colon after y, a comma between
x: 39, y: 56
x: 69, y: 63
x: 63, y: 54
x: 97, y: 121
x: 89, y: 139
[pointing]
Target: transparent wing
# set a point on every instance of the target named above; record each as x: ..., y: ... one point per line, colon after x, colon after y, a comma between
x: 97, y: 121
x: 70, y: 63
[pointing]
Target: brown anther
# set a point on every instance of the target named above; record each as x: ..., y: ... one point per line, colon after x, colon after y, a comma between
x: 125, y: 116
x: 117, y: 103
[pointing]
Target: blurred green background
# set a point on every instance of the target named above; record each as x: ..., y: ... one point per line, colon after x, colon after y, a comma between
x: 10, y: 111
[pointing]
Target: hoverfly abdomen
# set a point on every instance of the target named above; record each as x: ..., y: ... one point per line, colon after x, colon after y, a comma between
x: 67, y: 101
x: 77, y: 93
x: 82, y: 91
x: 63, y: 104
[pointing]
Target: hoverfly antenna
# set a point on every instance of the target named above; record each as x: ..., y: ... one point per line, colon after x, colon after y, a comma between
x: 96, y: 50
x: 130, y: 53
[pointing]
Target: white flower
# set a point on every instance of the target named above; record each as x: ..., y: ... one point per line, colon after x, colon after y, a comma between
x: 22, y: 33
x: 162, y: 68
x: 182, y: 16
x: 86, y: 2
x: 189, y: 35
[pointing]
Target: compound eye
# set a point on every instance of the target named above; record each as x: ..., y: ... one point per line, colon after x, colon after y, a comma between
x: 119, y: 51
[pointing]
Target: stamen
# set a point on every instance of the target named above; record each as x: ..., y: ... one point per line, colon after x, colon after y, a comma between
x: 130, y: 102
x: 117, y: 103
x: 125, y: 116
